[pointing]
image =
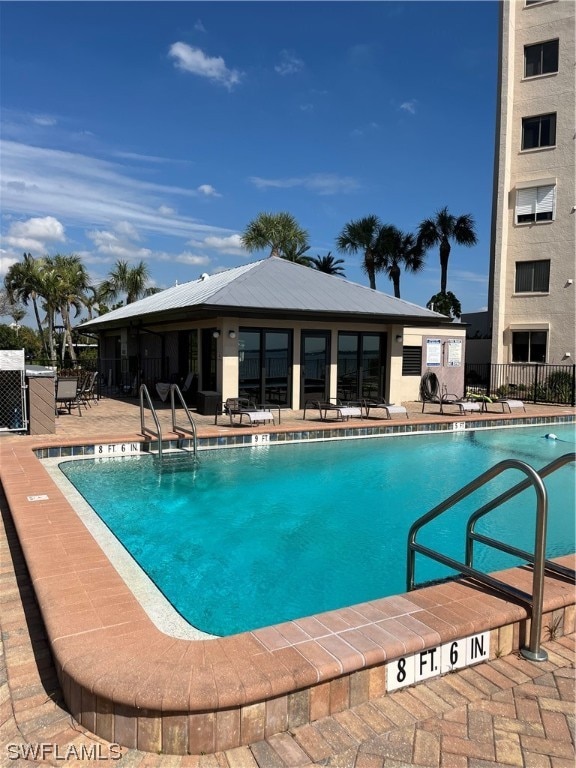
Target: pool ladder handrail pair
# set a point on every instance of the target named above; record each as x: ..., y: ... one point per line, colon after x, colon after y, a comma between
x: 538, y: 558
x: 146, y: 431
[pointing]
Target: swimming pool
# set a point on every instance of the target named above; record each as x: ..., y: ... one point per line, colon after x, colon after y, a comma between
x: 259, y: 536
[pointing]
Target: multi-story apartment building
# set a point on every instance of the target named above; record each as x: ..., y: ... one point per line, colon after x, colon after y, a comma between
x: 533, y: 263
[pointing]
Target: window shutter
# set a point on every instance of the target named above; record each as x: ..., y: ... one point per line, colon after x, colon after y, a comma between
x: 545, y: 199
x: 526, y: 201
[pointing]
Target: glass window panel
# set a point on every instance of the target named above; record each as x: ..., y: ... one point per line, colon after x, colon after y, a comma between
x: 532, y: 58
x: 520, y: 346
x: 541, y: 275
x: 548, y: 131
x: 523, y: 277
x: 550, y: 57
x: 530, y: 133
x: 538, y: 346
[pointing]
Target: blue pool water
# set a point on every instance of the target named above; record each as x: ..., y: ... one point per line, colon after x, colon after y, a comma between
x: 257, y: 536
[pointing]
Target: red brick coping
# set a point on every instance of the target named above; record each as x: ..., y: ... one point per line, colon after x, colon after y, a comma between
x: 129, y: 683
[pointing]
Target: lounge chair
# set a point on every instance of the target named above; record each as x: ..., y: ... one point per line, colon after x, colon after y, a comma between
x: 244, y: 408
x: 341, y: 411
x: 510, y: 404
x: 86, y: 391
x: 388, y: 408
x: 67, y: 394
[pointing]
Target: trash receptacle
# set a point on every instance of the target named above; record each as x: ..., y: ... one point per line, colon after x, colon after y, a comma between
x: 207, y: 402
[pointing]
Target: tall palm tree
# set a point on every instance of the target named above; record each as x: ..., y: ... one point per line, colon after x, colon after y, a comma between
x: 362, y: 235
x: 397, y: 250
x: 440, y: 230
x: 125, y: 279
x: 445, y: 303
x: 328, y: 264
x: 23, y: 282
x: 278, y: 231
x: 69, y: 282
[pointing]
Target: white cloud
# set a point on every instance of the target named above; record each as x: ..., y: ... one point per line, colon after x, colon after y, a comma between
x: 208, y: 190
x: 199, y: 27
x: 86, y: 191
x: 196, y: 62
x: 117, y: 246
x: 45, y: 120
x: 231, y: 245
x: 289, y: 64
x: 34, y: 235
x: 6, y: 262
x: 189, y: 258
x: 409, y: 106
x: 320, y: 183
x: 125, y: 229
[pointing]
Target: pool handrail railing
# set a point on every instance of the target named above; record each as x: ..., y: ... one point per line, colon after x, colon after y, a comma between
x: 175, y: 392
x: 535, y: 601
x: 144, y: 430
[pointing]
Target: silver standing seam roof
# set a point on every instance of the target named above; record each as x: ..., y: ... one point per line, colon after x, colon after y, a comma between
x: 271, y: 286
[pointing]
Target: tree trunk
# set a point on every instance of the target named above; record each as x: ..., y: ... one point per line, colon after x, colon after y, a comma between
x: 444, y: 256
x: 40, y: 329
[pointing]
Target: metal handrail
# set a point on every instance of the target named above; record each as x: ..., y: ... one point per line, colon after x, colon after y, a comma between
x: 176, y: 392
x: 534, y: 601
x: 144, y: 394
x: 472, y: 535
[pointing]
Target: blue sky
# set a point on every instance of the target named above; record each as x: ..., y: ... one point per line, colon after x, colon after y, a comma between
x: 158, y: 130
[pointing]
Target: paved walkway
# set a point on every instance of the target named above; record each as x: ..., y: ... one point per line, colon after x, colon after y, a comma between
x: 507, y: 712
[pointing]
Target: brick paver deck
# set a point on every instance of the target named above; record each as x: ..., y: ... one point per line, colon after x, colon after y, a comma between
x: 506, y: 712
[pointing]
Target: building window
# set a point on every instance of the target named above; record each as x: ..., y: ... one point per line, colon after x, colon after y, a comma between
x: 532, y: 276
x: 539, y: 131
x: 541, y: 58
x: 529, y: 346
x: 412, y: 361
x: 535, y: 204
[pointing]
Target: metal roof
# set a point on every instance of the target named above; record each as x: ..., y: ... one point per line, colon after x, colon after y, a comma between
x: 272, y: 285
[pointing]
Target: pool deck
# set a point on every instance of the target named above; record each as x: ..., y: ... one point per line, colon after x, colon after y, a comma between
x: 305, y: 692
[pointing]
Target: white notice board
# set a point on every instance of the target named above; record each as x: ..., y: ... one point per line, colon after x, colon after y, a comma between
x: 454, y: 353
x: 433, y: 353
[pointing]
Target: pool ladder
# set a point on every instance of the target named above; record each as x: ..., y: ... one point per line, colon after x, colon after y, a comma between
x: 537, y: 559
x: 146, y: 400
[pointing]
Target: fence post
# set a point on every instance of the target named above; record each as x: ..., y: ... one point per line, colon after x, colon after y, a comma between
x: 536, y: 367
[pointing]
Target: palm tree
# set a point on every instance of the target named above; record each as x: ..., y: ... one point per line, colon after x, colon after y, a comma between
x: 397, y: 250
x: 296, y: 253
x: 278, y: 231
x: 68, y: 280
x: 125, y: 279
x: 440, y: 230
x: 362, y: 235
x: 23, y: 282
x: 328, y: 264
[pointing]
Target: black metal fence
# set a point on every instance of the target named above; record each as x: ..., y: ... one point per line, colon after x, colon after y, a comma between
x: 532, y: 382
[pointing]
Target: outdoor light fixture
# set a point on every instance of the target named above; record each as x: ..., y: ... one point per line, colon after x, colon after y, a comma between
x: 216, y: 334
x: 231, y: 334
x: 399, y: 338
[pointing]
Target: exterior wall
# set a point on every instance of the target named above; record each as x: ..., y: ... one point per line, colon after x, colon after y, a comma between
x: 553, y: 311
x: 397, y: 388
x: 406, y: 388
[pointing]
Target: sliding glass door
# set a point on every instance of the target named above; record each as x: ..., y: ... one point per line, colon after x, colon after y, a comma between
x: 265, y: 365
x: 361, y: 365
x: 314, y: 366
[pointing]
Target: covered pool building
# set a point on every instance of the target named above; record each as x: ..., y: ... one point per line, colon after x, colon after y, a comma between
x: 278, y: 333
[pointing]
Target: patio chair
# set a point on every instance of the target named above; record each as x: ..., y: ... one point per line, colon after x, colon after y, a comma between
x: 67, y: 394
x: 388, y: 408
x: 86, y: 390
x: 506, y: 403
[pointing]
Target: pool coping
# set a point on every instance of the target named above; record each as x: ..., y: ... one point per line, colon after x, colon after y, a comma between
x: 129, y: 683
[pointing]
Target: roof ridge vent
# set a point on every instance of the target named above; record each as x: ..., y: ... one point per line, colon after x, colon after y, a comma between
x: 204, y: 276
